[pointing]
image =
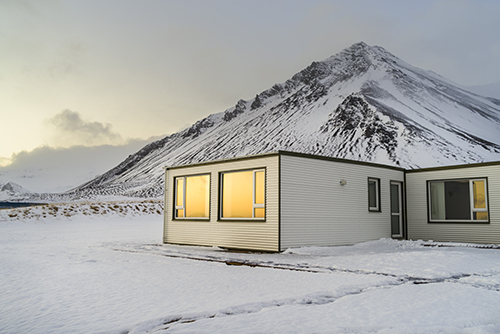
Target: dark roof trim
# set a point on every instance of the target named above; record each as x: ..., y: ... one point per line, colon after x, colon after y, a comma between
x: 211, y: 162
x: 355, y: 162
x: 320, y: 157
x: 479, y: 164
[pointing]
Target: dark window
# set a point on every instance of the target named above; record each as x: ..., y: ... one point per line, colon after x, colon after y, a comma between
x: 373, y: 194
x: 458, y: 200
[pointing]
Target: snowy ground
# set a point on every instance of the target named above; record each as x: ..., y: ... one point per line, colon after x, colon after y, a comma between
x: 107, y: 272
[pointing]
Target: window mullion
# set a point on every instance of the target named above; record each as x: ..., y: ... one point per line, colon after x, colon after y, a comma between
x: 184, y: 197
x: 254, y: 194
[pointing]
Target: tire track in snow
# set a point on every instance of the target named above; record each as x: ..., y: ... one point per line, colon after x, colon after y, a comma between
x: 162, y: 325
x: 304, y: 267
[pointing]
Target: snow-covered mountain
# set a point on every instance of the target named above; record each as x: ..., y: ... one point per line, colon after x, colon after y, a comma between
x: 363, y: 103
x: 11, y: 189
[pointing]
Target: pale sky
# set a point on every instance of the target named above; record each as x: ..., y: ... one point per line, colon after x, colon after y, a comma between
x: 96, y: 72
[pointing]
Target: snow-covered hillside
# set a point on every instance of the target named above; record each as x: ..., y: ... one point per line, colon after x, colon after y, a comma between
x: 145, y: 207
x: 11, y: 189
x: 363, y: 104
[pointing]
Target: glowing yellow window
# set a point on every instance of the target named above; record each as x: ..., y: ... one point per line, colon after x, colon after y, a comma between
x: 479, y: 195
x: 192, y: 196
x: 179, y: 193
x: 479, y: 209
x: 243, y: 194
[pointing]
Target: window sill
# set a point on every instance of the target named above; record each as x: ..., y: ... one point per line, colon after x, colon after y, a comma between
x: 459, y: 222
x: 239, y: 220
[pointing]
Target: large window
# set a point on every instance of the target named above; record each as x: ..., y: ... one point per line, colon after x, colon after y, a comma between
x: 192, y: 196
x: 458, y: 201
x: 373, y: 194
x: 243, y: 194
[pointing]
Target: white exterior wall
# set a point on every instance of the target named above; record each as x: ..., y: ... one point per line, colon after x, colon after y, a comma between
x: 255, y: 235
x: 418, y: 226
x: 317, y: 210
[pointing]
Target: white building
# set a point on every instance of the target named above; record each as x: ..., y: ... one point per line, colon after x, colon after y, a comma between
x: 455, y: 203
x: 274, y: 201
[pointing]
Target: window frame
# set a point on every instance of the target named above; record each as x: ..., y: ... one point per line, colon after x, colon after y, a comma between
x: 254, y: 204
x: 471, y: 202
x: 183, y: 206
x: 378, y: 207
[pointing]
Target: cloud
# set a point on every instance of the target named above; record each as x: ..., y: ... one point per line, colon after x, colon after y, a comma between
x: 4, y: 161
x: 100, y: 157
x: 69, y: 129
x: 49, y: 169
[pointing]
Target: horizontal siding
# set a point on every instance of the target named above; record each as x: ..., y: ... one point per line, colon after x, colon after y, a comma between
x: 317, y: 210
x: 256, y: 235
x: 418, y: 226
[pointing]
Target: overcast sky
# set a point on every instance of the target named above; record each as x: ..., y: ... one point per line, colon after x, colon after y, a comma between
x: 104, y: 72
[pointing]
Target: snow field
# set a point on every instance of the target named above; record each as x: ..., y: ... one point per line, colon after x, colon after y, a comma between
x: 109, y: 273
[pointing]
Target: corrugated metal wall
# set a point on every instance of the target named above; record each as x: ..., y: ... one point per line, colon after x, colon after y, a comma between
x: 256, y: 235
x: 317, y: 210
x: 418, y: 226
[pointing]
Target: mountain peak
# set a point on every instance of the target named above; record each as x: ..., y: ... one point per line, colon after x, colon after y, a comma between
x: 362, y: 47
x: 362, y: 54
x: 362, y: 104
x: 359, y: 45
x: 351, y: 62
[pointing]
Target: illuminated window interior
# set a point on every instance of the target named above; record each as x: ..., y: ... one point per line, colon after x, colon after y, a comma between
x: 458, y: 200
x: 243, y: 194
x: 192, y: 196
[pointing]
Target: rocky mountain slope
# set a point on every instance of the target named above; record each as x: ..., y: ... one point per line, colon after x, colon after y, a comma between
x: 363, y: 103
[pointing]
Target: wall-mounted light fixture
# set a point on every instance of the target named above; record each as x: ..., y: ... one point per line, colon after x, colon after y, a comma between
x: 343, y: 182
